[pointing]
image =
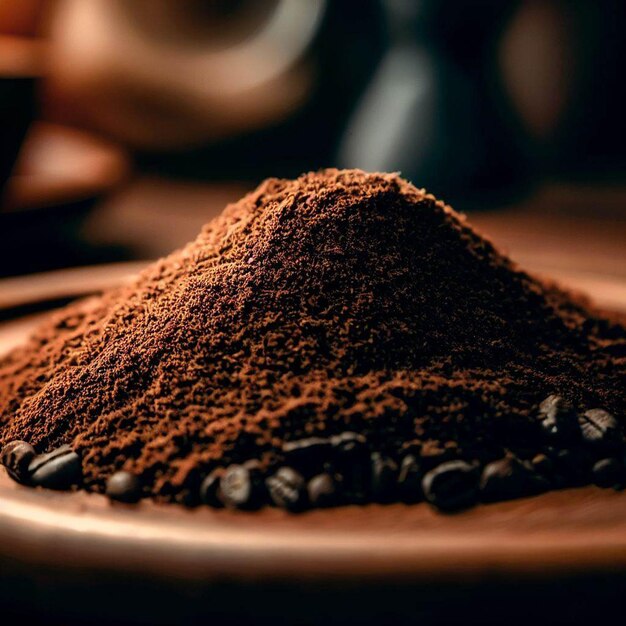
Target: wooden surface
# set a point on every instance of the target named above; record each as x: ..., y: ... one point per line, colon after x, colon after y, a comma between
x: 67, y: 283
x: 542, y: 545
x: 577, y: 530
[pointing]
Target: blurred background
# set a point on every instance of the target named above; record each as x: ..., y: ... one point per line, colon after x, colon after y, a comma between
x: 127, y: 124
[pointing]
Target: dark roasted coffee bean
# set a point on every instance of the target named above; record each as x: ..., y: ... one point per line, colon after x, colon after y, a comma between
x: 351, y: 461
x: 384, y: 478
x: 307, y: 455
x: 542, y: 464
x: 410, y: 479
x: 558, y: 418
x: 322, y: 490
x: 354, y: 482
x: 303, y: 446
x: 123, y: 487
x: 16, y: 456
x: 241, y: 487
x: 608, y: 472
x: 254, y: 466
x: 572, y: 466
x: 598, y: 427
x: 451, y: 486
x: 348, y: 441
x: 209, y: 488
x: 59, y: 469
x: 509, y: 478
x: 287, y: 489
x: 501, y: 480
x: 559, y: 481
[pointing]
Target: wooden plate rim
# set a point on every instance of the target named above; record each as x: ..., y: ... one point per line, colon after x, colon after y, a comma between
x: 397, y: 541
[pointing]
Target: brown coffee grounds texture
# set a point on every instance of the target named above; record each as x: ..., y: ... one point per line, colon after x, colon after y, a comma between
x: 338, y: 301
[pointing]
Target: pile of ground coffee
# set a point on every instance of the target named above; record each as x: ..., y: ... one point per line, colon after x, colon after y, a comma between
x: 340, y: 301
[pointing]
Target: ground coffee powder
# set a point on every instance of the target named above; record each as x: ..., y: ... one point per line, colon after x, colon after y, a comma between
x: 340, y: 301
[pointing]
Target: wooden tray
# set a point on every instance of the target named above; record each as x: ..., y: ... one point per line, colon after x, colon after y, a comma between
x: 551, y: 555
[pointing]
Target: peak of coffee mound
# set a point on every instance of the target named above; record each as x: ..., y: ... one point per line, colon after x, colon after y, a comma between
x: 340, y: 301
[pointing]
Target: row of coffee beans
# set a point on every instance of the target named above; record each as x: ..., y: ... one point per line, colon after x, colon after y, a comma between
x: 579, y: 448
x: 58, y: 469
x: 61, y: 469
x: 596, y: 427
x: 342, y: 469
x: 449, y: 486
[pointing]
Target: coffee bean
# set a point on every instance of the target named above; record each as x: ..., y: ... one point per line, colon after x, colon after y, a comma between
x: 123, y: 487
x: 558, y: 418
x: 254, y: 466
x: 509, y: 478
x: 500, y: 480
x: 608, y: 472
x: 598, y: 427
x: 16, y: 456
x: 307, y: 455
x: 354, y: 482
x: 410, y: 479
x: 572, y: 466
x: 542, y: 464
x: 287, y: 489
x: 303, y: 446
x: 348, y: 441
x: 209, y: 489
x: 351, y: 461
x: 384, y: 474
x: 59, y: 469
x: 322, y: 490
x: 451, y: 486
x: 241, y: 487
